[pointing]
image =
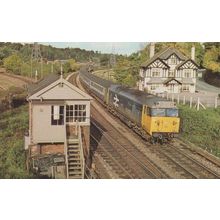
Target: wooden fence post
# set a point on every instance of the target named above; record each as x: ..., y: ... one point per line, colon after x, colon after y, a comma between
x: 184, y: 100
x: 216, y: 102
x: 190, y: 102
x: 178, y: 99
x: 198, y: 103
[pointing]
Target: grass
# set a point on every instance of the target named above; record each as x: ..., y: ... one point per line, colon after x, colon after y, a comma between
x: 201, y: 128
x: 13, y: 124
x: 106, y: 74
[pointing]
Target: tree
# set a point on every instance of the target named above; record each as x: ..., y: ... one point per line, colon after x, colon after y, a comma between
x: 211, y: 59
x: 126, y: 71
x: 13, y: 63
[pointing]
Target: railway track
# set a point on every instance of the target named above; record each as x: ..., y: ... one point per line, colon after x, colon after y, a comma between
x: 143, y: 160
x: 136, y: 164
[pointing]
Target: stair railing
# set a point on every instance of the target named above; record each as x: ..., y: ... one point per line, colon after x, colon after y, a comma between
x: 66, y: 153
x: 81, y: 149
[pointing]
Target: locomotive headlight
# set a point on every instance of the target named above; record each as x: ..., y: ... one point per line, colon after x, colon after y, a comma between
x: 157, y: 122
x: 174, y: 123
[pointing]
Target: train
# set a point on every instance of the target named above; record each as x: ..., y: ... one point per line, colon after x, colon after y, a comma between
x: 154, y: 118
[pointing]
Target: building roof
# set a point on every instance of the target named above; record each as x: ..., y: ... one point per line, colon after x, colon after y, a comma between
x: 33, y: 88
x: 172, y: 79
x: 169, y: 51
x: 163, y: 55
x: 54, y: 87
x: 155, y: 80
x: 182, y: 63
x: 187, y: 81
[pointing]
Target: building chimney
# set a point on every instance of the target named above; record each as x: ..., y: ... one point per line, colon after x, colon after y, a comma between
x: 193, y: 52
x: 152, y: 49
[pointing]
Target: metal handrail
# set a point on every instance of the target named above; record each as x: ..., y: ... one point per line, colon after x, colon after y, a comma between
x: 66, y: 153
x: 81, y: 150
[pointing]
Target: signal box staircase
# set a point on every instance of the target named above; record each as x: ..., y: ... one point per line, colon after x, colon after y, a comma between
x: 74, y: 156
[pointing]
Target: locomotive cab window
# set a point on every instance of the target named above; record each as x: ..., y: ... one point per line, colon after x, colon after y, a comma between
x: 158, y: 112
x: 172, y: 112
x: 146, y: 110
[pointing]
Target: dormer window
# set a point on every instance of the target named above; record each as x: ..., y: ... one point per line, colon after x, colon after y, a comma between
x: 173, y: 61
x: 156, y: 73
x: 171, y: 73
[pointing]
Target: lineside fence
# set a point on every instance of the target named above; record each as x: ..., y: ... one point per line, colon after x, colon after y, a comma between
x: 194, y: 100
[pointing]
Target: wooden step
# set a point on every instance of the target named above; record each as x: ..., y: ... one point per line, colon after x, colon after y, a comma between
x: 76, y: 177
x: 73, y: 151
x: 74, y: 162
x: 73, y: 146
x: 75, y: 173
x: 74, y: 169
x: 73, y: 157
x: 72, y: 141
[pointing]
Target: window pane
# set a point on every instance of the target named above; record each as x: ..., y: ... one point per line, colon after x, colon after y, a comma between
x: 52, y: 110
x: 61, y: 110
x: 172, y: 112
x: 158, y: 112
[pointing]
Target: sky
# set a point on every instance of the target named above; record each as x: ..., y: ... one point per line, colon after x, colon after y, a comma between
x: 104, y: 47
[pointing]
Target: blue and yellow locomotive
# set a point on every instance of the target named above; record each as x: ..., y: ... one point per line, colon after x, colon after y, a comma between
x: 148, y: 115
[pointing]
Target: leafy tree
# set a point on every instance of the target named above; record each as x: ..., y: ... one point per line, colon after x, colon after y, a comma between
x: 211, y: 59
x: 126, y: 71
x: 13, y: 63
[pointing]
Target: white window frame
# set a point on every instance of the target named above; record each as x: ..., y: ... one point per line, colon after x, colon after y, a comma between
x: 188, y: 72
x: 76, y: 112
x: 157, y: 72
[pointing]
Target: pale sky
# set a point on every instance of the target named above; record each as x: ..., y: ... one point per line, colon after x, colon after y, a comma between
x: 104, y: 47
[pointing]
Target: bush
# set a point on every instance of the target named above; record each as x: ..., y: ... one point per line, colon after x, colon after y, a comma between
x: 13, y: 124
x: 201, y: 127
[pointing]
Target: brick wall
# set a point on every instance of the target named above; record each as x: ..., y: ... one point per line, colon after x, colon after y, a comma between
x: 46, y: 149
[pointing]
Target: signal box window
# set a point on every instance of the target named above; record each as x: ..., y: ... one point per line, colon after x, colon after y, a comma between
x: 57, y: 115
x: 75, y: 113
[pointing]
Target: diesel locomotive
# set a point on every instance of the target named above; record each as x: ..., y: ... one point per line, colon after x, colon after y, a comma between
x: 154, y: 118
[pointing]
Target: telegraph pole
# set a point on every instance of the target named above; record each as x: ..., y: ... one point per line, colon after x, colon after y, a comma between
x: 36, y: 56
x: 112, y: 60
x: 52, y: 67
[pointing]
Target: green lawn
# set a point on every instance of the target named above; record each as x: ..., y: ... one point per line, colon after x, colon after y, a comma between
x: 201, y: 128
x: 13, y: 124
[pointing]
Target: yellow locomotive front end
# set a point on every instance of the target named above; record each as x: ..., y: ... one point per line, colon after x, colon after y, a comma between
x: 161, y: 121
